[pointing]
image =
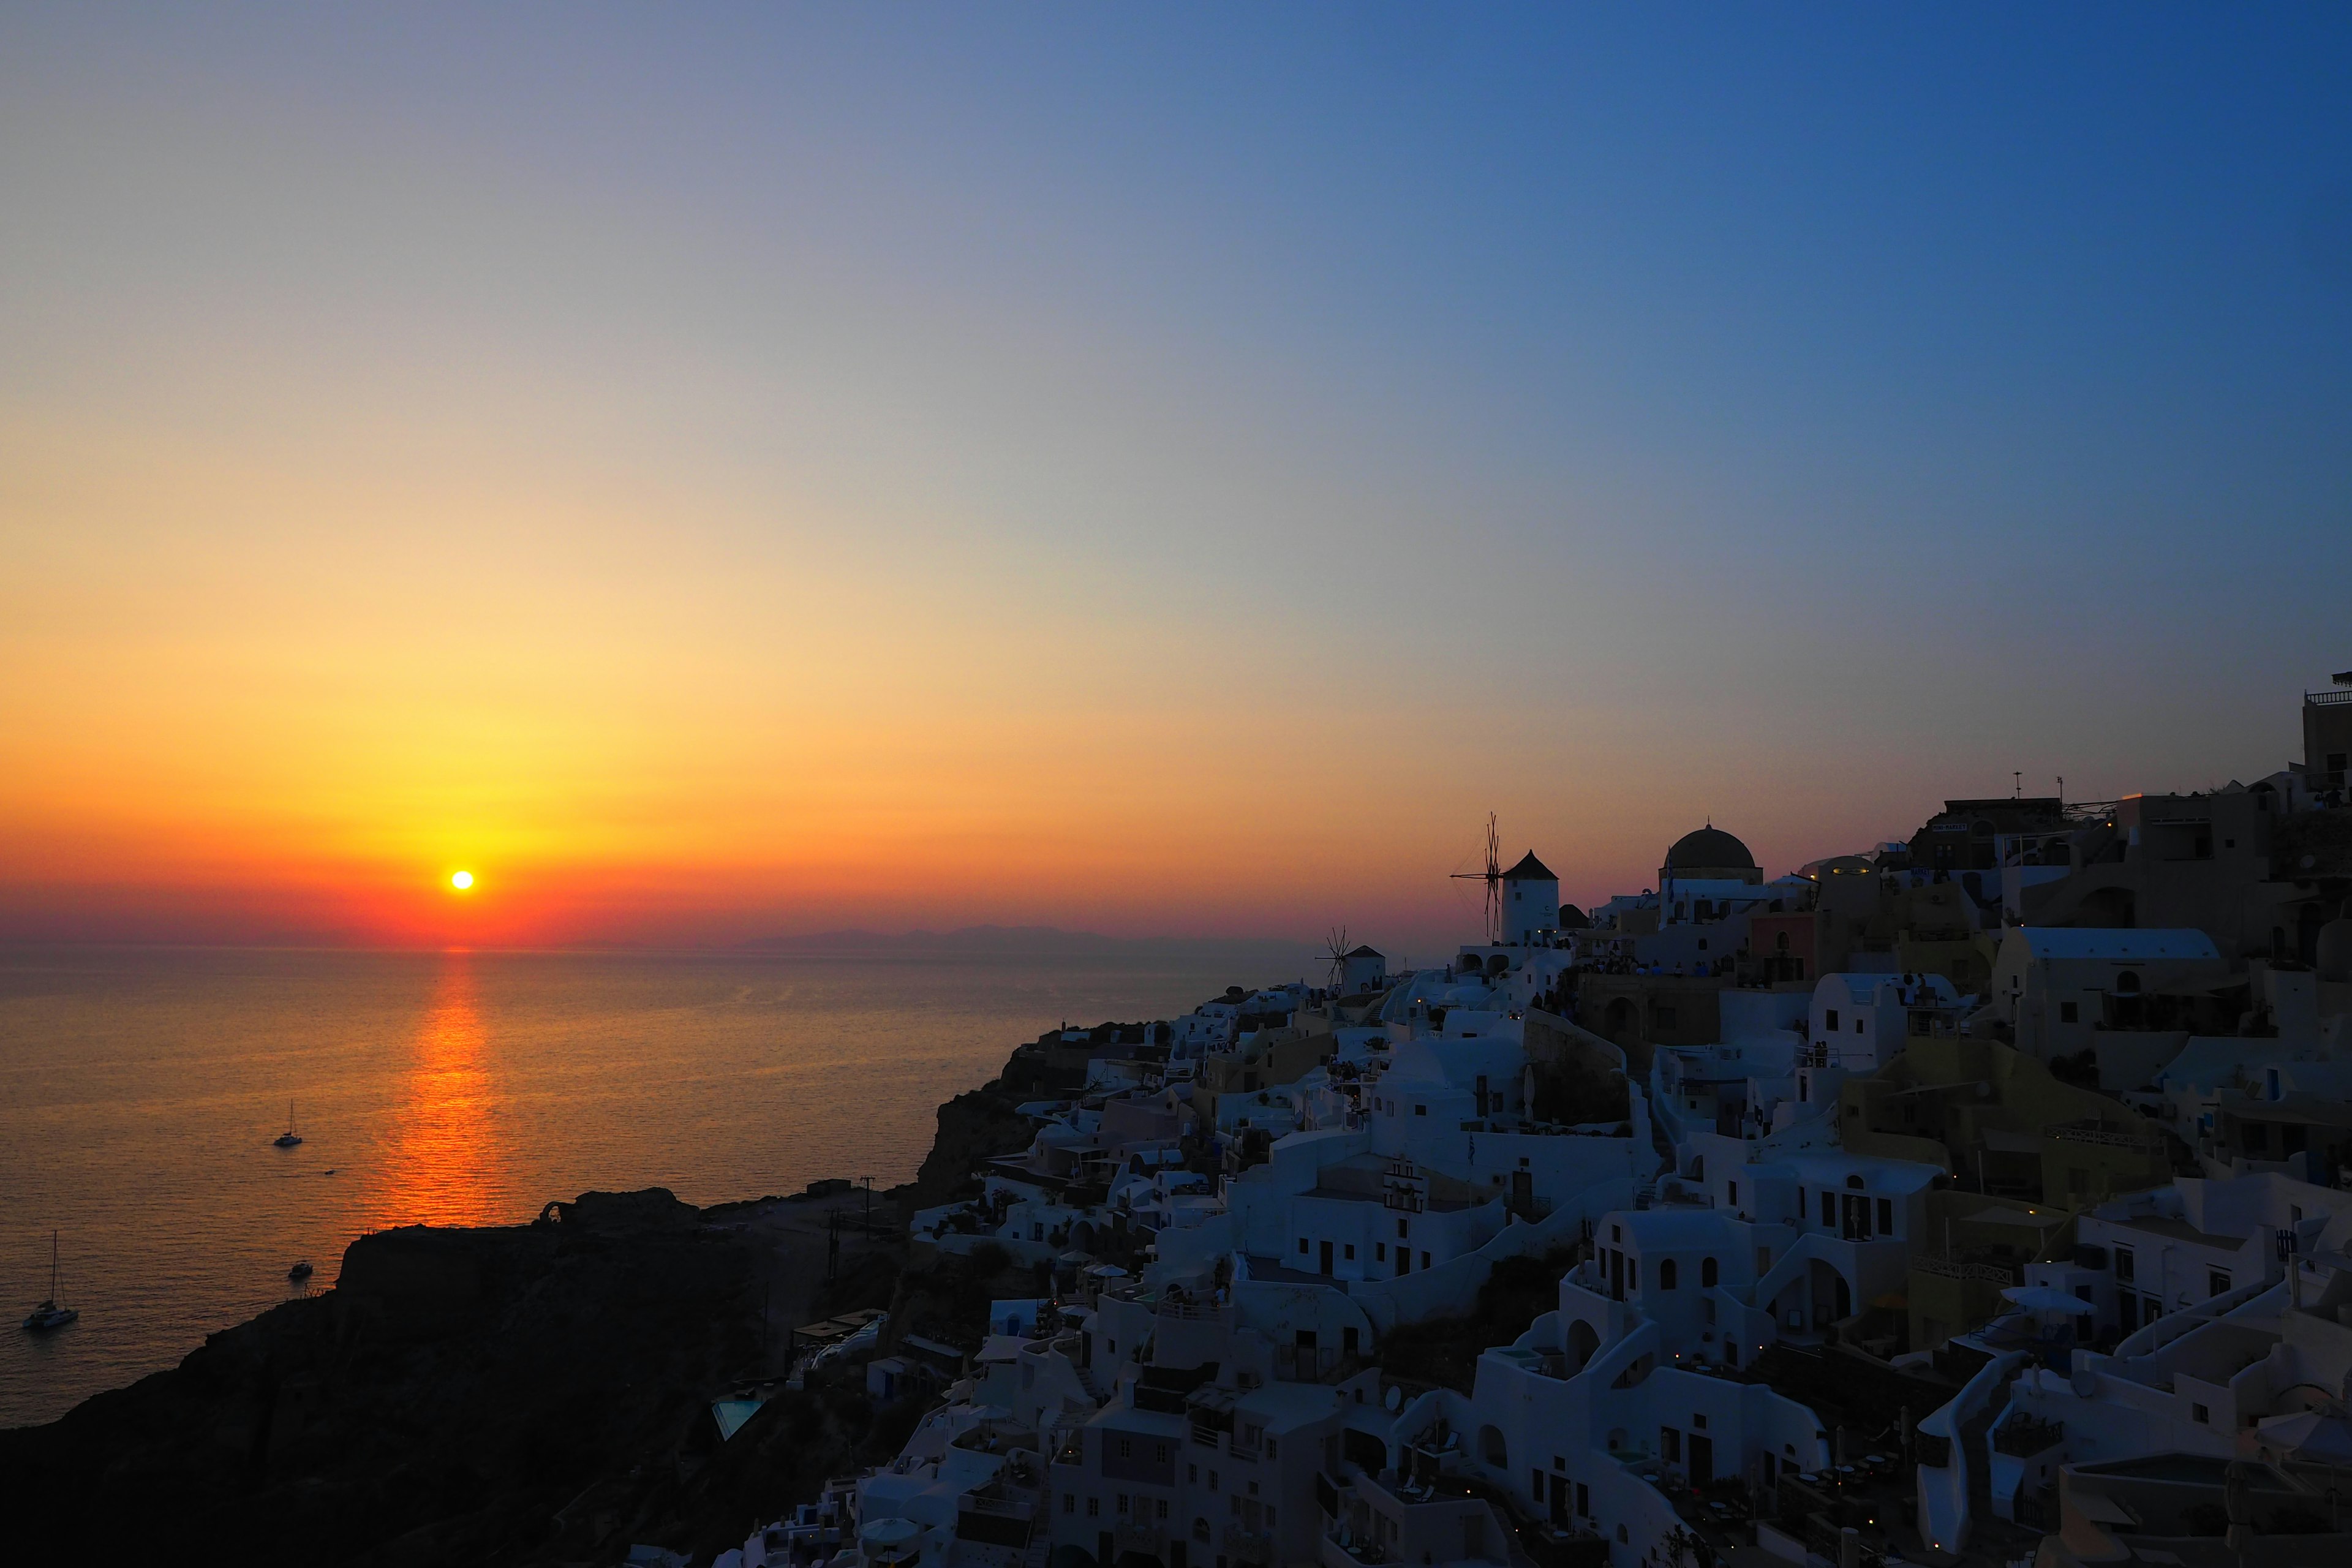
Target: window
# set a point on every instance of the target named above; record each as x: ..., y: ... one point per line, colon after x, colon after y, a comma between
x: 1069, y: 1502
x: 1424, y: 1260
x: 2068, y: 1013
x: 1193, y: 1474
x: 1159, y: 1508
x: 1421, y: 1110
x: 1706, y: 1272
x: 1270, y: 1452
x: 2199, y: 1414
x: 1670, y: 1444
x: 1351, y: 1249
x: 1731, y: 1194
x: 1379, y: 1252
x: 1159, y: 1452
x: 2123, y: 1263
x: 1584, y: 1499
x: 1666, y: 1274
x: 1302, y: 1244
x: 1828, y: 1209
x: 1886, y: 1216
x: 2217, y: 1282
x: 1401, y: 1232
x: 1122, y: 1502
x: 1094, y: 1508
x: 1616, y: 1233
x: 1829, y: 1020
x: 1212, y: 1481
x: 1857, y: 1026
x: 1698, y: 1423
x: 1126, y: 1448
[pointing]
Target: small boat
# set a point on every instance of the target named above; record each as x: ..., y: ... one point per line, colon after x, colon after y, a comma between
x: 290, y: 1138
x: 48, y: 1315
x: 301, y: 1270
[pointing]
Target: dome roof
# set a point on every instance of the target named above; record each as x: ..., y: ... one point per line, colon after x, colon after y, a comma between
x: 1710, y: 848
x: 1573, y: 919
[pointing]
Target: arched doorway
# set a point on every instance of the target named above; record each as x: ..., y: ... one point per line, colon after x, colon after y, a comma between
x: 1583, y: 1341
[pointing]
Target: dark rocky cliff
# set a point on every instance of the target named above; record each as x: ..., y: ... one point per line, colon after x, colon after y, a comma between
x: 533, y: 1393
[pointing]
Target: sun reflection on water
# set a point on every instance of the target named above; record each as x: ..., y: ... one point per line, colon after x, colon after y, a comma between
x: 444, y: 1165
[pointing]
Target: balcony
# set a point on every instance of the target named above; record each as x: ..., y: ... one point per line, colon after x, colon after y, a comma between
x: 1965, y: 1268
x: 1248, y: 1545
x: 2022, y: 1436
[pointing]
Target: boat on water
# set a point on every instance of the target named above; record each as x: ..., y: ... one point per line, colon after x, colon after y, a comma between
x: 301, y: 1270
x: 48, y: 1315
x: 290, y: 1138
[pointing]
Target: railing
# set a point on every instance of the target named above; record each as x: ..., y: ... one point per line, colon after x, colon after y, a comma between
x: 2327, y: 698
x: 1010, y: 1508
x: 2100, y: 1134
x: 1187, y: 1310
x: 1950, y: 1269
x: 1250, y: 1545
x: 2023, y: 1435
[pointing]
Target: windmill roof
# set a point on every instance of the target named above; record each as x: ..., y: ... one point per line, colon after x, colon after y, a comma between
x: 1363, y: 953
x: 1529, y: 869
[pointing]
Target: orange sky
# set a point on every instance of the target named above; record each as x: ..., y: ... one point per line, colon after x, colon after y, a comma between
x: 795, y: 472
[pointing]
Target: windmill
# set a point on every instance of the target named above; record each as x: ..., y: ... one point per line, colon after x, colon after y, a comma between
x: 1493, y: 876
x: 1339, y: 959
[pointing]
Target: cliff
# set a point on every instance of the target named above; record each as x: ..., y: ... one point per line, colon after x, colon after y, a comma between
x: 532, y: 1394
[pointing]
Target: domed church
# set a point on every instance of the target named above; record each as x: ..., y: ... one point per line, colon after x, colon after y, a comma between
x: 1710, y: 855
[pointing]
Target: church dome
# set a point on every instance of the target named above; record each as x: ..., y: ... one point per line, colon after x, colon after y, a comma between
x: 1709, y: 849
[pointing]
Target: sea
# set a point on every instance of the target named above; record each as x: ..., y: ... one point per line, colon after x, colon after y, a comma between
x: 142, y: 1090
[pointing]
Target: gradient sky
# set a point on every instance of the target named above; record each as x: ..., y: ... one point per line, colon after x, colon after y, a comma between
x: 721, y: 471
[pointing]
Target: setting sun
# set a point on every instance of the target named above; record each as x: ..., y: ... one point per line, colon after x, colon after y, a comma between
x: 461, y: 881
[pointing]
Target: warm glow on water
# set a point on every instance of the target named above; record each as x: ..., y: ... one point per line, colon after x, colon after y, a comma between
x: 141, y: 1089
x: 446, y: 1164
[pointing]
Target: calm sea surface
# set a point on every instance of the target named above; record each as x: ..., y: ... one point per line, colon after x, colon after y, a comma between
x: 139, y: 1090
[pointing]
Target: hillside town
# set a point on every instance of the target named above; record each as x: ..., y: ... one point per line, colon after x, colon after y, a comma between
x: 1983, y: 1196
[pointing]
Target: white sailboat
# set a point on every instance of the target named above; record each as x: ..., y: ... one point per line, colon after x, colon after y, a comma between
x: 48, y: 1314
x: 290, y: 1138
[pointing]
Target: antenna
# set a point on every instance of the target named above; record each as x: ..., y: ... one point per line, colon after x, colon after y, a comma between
x: 2018, y: 793
x: 2062, y: 792
x: 1493, y: 876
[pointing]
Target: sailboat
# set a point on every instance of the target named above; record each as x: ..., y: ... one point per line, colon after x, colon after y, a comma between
x: 288, y: 1139
x: 48, y: 1314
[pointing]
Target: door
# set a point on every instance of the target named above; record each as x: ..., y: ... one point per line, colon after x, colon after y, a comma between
x: 1702, y: 1458
x: 1560, y: 1500
x: 1326, y: 1258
